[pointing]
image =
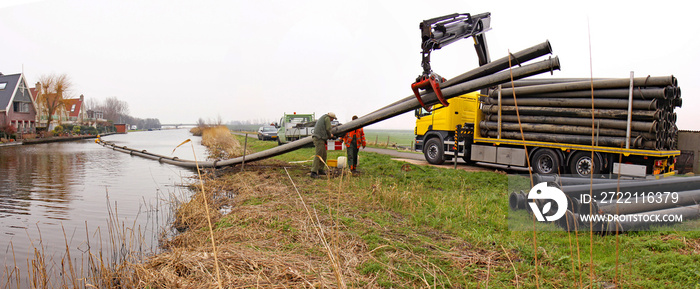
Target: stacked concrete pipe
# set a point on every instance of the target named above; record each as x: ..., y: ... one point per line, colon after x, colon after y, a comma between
x: 678, y: 196
x: 575, y: 108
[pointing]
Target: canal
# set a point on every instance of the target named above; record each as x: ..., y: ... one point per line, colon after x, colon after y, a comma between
x: 84, y: 196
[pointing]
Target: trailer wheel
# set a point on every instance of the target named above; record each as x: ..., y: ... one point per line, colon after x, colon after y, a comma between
x: 582, y: 165
x: 434, y: 151
x: 545, y: 161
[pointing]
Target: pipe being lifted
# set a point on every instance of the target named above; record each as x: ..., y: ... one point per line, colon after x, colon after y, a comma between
x: 397, y: 108
x: 406, y: 106
x: 500, y: 64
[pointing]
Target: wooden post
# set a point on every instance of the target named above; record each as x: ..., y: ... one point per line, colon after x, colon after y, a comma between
x: 376, y: 139
x: 387, y: 142
x: 245, y: 146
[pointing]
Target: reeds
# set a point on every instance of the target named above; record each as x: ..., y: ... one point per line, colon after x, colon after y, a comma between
x: 220, y: 143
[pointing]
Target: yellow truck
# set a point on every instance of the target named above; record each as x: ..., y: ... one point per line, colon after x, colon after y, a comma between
x: 440, y: 139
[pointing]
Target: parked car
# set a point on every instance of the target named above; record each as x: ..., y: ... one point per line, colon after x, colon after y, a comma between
x: 267, y: 133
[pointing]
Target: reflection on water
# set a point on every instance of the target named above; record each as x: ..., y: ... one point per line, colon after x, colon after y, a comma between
x: 41, y: 175
x: 48, y: 188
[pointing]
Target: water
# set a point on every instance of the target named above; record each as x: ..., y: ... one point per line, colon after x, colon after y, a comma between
x: 74, y: 188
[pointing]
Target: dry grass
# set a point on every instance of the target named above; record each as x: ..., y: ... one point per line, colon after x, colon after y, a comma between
x: 266, y: 240
x: 220, y: 143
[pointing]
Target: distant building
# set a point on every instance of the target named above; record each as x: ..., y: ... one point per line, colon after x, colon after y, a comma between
x: 95, y: 118
x: 17, y: 108
x: 120, y: 127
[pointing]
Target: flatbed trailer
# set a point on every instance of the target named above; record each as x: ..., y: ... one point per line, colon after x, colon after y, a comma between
x: 454, y: 131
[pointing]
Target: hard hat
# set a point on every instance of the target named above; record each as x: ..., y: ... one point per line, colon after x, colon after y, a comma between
x: 332, y: 115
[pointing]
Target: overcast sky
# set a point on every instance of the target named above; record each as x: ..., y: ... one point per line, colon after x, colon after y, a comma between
x: 247, y: 60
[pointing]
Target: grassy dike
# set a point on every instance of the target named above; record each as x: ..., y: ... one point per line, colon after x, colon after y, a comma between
x: 395, y: 225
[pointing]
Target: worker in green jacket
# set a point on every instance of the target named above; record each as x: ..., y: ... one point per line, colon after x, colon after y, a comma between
x: 322, y: 132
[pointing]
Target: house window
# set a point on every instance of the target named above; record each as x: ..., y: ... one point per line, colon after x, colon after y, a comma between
x: 2, y: 85
x: 72, y: 108
x: 21, y: 107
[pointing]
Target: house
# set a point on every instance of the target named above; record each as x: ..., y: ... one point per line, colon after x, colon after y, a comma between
x: 95, y: 118
x: 60, y: 114
x: 76, y: 114
x: 17, y: 107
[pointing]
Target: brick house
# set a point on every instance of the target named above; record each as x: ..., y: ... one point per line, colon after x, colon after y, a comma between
x: 17, y: 107
x: 60, y: 114
x: 76, y: 114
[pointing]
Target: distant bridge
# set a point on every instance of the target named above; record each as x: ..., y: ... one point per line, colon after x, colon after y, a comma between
x: 179, y: 125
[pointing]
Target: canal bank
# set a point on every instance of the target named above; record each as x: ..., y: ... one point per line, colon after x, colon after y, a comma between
x: 76, y: 194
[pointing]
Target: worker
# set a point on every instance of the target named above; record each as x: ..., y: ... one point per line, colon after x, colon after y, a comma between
x: 322, y: 132
x: 353, y: 140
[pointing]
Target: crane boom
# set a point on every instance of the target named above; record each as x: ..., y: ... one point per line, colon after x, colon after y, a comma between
x: 442, y: 31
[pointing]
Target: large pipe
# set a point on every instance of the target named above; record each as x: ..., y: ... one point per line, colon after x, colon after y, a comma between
x: 487, y: 126
x: 492, y: 67
x: 659, y: 81
x: 517, y: 201
x: 411, y: 103
x: 577, y: 102
x: 568, y: 181
x: 603, y: 123
x: 643, y: 203
x: 669, y: 184
x: 608, y: 141
x: 642, y: 221
x: 638, y: 93
x: 408, y: 105
x: 573, y: 112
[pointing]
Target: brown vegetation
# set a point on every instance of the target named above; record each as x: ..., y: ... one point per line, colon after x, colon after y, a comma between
x: 267, y: 239
x: 220, y: 143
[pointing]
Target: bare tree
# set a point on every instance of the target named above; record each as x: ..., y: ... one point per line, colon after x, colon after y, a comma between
x: 114, y: 109
x: 53, y: 94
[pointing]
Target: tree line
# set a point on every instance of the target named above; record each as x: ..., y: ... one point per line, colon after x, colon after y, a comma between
x: 55, y: 90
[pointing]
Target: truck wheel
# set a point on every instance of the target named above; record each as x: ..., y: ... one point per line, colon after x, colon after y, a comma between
x: 545, y: 161
x: 434, y: 152
x: 279, y: 142
x: 581, y: 164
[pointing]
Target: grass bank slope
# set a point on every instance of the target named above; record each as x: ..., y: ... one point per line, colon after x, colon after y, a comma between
x: 395, y: 225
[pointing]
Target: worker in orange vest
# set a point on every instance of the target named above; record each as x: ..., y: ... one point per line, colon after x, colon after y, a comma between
x: 353, y: 140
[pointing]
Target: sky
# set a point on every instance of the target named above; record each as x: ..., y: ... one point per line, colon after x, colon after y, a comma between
x: 179, y: 61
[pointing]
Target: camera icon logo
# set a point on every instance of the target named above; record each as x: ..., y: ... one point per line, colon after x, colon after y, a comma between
x: 542, y: 192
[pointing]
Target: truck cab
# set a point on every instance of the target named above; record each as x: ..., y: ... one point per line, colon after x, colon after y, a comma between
x: 435, y: 129
x: 295, y: 126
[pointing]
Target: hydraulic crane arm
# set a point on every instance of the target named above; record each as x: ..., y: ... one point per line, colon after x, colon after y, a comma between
x: 439, y: 32
x: 442, y: 31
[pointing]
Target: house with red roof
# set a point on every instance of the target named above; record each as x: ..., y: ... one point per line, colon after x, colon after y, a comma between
x: 17, y: 107
x: 60, y: 114
x: 76, y: 114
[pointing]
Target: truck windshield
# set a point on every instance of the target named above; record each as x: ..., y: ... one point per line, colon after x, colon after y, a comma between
x: 421, y: 112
